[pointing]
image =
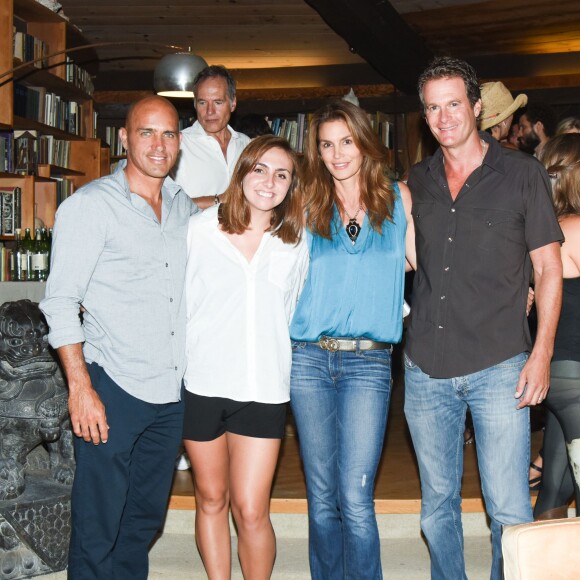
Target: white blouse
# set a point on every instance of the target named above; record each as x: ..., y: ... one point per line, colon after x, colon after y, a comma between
x: 238, y: 313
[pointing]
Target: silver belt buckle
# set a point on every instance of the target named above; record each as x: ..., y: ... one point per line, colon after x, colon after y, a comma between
x: 330, y: 344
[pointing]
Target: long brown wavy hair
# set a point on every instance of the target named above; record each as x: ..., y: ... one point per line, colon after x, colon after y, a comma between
x: 561, y: 158
x: 287, y: 218
x: 319, y: 189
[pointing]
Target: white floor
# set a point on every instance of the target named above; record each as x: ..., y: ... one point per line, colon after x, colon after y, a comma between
x: 404, y: 553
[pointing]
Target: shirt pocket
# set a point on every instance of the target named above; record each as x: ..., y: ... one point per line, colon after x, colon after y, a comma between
x: 282, y: 270
x: 497, y: 231
x: 424, y: 221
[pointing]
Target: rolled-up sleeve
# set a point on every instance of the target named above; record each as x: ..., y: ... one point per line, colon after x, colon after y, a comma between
x: 78, y: 240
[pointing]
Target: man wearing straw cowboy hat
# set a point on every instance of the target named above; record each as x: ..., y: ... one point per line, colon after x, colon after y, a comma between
x: 498, y: 108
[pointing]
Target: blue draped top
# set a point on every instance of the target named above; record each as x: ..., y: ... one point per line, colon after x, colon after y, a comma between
x: 355, y: 290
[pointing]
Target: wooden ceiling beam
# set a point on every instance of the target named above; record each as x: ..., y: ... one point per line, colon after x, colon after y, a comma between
x: 376, y: 31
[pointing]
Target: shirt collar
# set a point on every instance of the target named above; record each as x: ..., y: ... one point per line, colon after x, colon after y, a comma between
x: 493, y: 157
x: 197, y: 130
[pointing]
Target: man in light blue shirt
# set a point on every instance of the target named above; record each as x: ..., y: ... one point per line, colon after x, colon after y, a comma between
x: 119, y: 253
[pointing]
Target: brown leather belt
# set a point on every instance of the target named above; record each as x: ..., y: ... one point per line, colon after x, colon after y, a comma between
x: 351, y: 344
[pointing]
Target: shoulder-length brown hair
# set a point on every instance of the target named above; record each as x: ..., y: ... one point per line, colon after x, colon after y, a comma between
x: 319, y: 189
x: 561, y: 158
x: 287, y: 218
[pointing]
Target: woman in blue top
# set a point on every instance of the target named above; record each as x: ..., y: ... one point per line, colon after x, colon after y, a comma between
x: 349, y: 315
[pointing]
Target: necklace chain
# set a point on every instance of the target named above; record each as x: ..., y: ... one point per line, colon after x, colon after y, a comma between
x: 483, y: 146
x: 355, y: 215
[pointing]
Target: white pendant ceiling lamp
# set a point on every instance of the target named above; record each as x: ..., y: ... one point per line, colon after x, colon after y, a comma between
x: 175, y: 73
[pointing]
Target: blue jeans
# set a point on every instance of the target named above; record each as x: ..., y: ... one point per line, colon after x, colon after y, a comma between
x: 435, y: 411
x: 340, y: 401
x: 121, y: 488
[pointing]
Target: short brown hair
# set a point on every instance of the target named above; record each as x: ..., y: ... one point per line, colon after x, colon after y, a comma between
x: 287, y: 218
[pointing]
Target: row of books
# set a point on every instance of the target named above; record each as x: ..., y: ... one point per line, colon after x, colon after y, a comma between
x: 22, y: 151
x: 53, y: 151
x: 79, y: 77
x: 6, y: 152
x: 112, y: 139
x: 10, y: 210
x: 28, y: 47
x: 38, y: 104
x: 64, y: 189
x: 296, y: 129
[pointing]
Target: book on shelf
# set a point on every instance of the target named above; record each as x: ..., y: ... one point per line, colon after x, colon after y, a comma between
x: 6, y: 151
x: 79, y: 77
x: 5, y: 257
x: 52, y: 151
x: 38, y: 104
x: 10, y: 210
x: 64, y: 189
x: 384, y: 127
x: 27, y: 47
x: 114, y: 141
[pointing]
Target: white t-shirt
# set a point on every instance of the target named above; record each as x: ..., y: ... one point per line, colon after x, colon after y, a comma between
x: 238, y: 313
x: 201, y: 167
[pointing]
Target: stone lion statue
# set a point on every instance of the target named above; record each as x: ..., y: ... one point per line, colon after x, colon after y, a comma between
x: 33, y: 400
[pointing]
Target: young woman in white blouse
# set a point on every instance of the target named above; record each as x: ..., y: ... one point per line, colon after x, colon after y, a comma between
x: 246, y: 267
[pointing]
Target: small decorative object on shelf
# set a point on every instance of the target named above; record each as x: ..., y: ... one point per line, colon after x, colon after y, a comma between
x: 25, y: 148
x: 10, y: 210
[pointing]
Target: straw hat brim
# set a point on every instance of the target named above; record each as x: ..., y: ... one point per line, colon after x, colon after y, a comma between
x: 487, y: 122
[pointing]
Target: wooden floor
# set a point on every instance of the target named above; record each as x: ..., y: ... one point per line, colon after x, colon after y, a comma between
x: 397, y: 487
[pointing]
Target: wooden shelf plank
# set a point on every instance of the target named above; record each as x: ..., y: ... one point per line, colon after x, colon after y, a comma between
x: 22, y: 123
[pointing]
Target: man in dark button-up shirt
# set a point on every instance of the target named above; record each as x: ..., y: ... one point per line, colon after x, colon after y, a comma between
x: 483, y: 218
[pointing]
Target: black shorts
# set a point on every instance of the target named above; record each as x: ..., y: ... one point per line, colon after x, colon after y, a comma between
x: 207, y: 418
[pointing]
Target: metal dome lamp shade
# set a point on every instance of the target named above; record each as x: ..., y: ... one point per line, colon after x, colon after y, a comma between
x: 175, y: 73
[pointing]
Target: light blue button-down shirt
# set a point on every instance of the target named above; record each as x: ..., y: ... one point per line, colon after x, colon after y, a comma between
x: 111, y: 256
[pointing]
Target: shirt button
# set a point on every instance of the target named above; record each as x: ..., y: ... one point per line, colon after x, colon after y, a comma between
x: 171, y: 300
x: 450, y: 239
x: 452, y: 210
x: 440, y: 327
x: 442, y: 298
x: 175, y: 368
x: 172, y: 333
x: 166, y: 265
x: 447, y: 268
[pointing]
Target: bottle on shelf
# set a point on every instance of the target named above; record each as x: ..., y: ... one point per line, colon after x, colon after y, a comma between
x: 19, y: 260
x: 46, y: 247
x: 39, y: 258
x: 27, y: 247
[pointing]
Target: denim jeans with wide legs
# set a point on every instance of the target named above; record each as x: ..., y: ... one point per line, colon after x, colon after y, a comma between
x: 340, y: 401
x: 435, y: 410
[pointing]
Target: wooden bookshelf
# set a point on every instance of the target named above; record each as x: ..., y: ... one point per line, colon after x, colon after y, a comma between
x: 88, y: 159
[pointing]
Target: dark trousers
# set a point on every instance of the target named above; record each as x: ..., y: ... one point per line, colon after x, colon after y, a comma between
x: 121, y: 488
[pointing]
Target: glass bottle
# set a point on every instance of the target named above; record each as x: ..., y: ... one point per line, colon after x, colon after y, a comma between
x: 39, y: 258
x: 46, y: 248
x: 27, y: 245
x: 19, y: 259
